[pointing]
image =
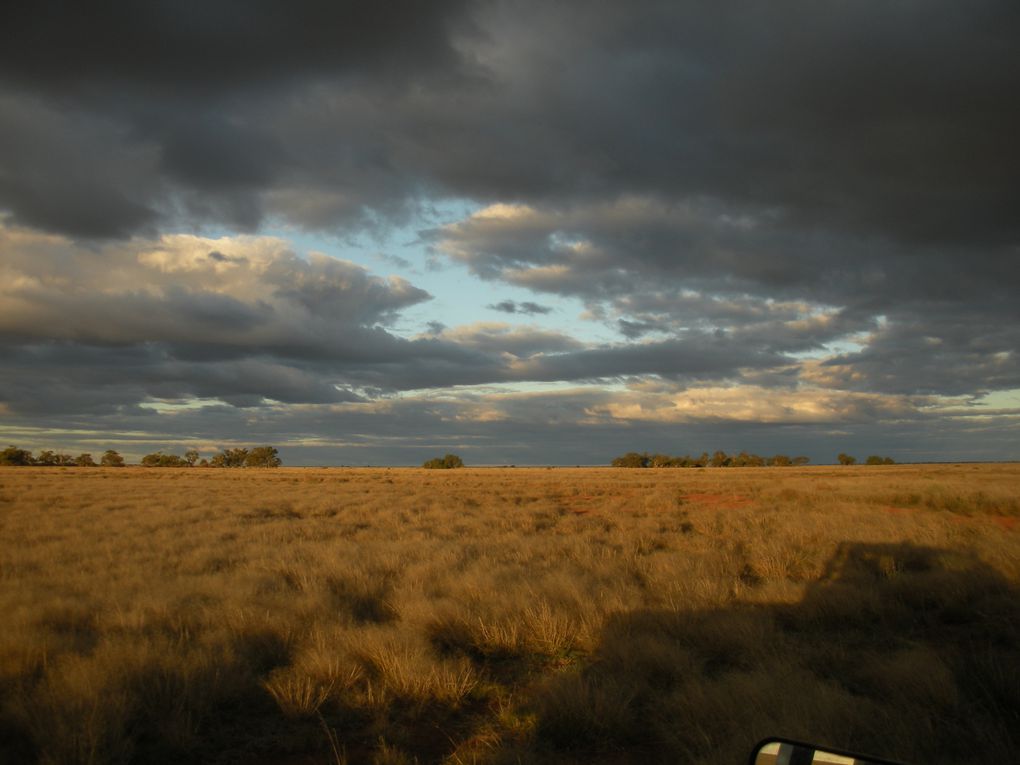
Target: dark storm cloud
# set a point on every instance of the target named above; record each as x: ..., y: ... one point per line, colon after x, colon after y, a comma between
x: 142, y: 114
x: 886, y: 119
x: 72, y: 172
x: 202, y: 48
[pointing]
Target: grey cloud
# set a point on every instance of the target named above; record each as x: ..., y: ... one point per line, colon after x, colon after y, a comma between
x: 504, y: 306
x: 632, y: 330
x: 394, y: 260
x: 75, y: 173
x: 672, y: 268
x: 661, y: 250
x: 840, y: 118
x: 337, y: 289
x: 174, y: 318
x: 957, y: 355
x: 206, y: 49
x: 171, y: 290
x: 694, y: 356
x: 164, y: 114
x: 525, y: 307
x: 537, y: 429
x: 163, y: 319
x: 503, y: 338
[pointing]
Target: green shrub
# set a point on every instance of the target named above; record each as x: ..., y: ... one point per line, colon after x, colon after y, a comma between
x: 444, y: 463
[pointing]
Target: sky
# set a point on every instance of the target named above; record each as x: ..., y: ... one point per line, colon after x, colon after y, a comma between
x: 522, y: 232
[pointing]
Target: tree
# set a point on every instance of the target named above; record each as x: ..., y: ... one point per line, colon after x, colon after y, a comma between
x: 12, y: 455
x: 874, y: 459
x: 46, y: 458
x: 747, y: 460
x: 230, y: 458
x: 263, y: 457
x: 84, y: 460
x: 801, y: 460
x: 235, y: 457
x: 447, y: 462
x: 632, y: 460
x: 111, y: 458
x: 663, y: 461
x: 719, y: 459
x: 846, y: 459
x: 191, y: 457
x: 781, y: 460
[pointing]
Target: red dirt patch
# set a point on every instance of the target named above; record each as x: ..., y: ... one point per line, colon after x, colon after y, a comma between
x: 893, y: 510
x: 721, y: 501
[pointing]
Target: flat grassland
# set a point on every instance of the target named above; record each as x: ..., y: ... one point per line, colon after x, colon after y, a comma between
x: 507, y: 615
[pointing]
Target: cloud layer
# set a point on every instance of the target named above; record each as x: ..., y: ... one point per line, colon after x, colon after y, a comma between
x: 780, y: 215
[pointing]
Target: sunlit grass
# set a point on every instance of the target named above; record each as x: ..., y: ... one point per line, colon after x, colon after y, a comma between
x: 486, y: 615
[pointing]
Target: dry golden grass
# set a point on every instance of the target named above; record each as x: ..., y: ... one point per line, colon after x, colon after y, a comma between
x: 499, y: 616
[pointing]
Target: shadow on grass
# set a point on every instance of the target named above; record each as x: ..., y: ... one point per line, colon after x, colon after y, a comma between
x: 904, y: 651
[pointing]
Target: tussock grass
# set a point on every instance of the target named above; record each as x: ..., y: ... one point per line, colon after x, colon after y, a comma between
x: 499, y: 616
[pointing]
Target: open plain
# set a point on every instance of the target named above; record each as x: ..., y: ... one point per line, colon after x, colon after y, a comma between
x: 507, y: 615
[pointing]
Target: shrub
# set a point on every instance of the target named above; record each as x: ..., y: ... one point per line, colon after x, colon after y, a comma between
x: 874, y: 459
x: 158, y: 459
x: 444, y: 463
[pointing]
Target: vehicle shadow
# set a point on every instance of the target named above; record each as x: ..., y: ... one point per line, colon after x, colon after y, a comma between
x: 900, y: 650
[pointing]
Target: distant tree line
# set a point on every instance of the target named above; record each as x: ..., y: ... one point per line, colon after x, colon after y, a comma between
x: 722, y: 459
x: 257, y: 456
x: 12, y: 455
x: 716, y: 459
x: 873, y: 459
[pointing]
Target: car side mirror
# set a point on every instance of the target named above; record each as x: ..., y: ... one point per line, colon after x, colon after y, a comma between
x: 780, y: 751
